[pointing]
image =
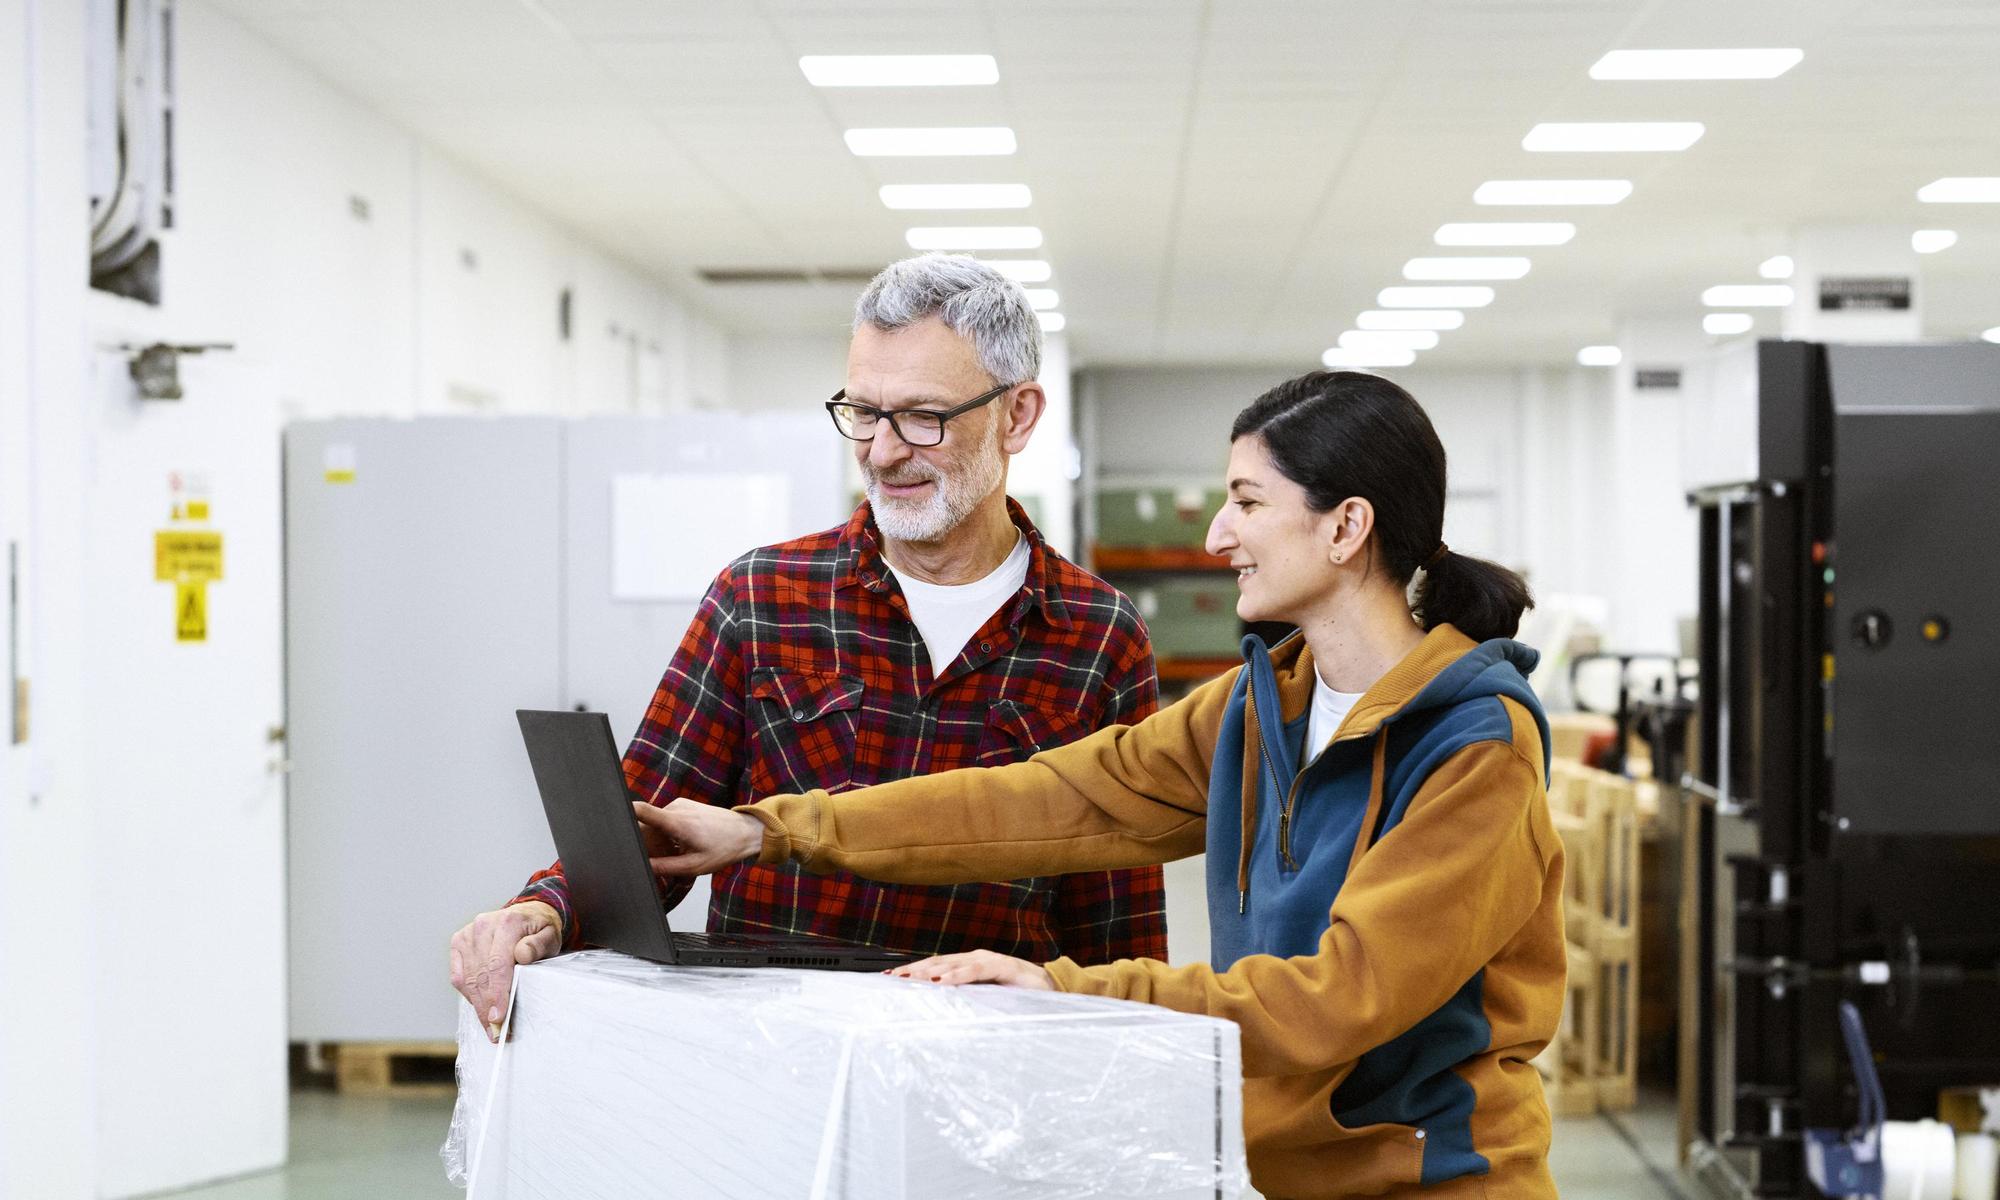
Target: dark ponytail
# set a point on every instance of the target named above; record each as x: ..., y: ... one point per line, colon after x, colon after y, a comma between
x: 1481, y: 599
x: 1345, y: 433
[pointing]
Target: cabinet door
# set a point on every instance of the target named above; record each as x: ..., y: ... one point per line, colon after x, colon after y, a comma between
x: 422, y: 601
x: 689, y: 492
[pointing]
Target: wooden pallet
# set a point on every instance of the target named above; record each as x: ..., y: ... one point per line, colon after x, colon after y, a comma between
x: 395, y: 1068
x: 1593, y: 1063
x: 1569, y: 1064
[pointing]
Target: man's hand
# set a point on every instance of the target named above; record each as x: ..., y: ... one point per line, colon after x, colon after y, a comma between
x: 687, y: 837
x: 978, y: 966
x: 484, y: 953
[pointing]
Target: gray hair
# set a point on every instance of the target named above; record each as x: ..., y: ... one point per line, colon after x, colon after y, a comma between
x: 974, y: 301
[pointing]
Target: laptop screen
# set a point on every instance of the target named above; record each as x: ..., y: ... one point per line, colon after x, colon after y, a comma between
x: 611, y: 886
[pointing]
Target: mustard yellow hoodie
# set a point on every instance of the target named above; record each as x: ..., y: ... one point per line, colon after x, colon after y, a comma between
x: 1386, y: 917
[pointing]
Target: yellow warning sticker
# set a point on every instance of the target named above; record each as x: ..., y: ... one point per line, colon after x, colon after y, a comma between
x: 190, y: 611
x: 197, y: 510
x: 186, y: 555
x: 339, y: 463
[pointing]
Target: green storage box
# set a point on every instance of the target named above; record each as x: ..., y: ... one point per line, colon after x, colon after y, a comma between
x: 1191, y: 616
x: 1156, y: 518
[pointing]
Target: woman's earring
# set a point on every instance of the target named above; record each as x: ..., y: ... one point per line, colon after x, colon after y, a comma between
x: 1336, y: 558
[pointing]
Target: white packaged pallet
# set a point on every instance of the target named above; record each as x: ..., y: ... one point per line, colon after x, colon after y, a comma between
x: 624, y: 1078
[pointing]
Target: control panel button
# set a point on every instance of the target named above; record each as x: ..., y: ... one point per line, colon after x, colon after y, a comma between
x: 1872, y: 629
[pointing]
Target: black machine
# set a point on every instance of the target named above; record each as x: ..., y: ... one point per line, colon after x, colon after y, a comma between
x: 1844, y: 789
x: 611, y: 885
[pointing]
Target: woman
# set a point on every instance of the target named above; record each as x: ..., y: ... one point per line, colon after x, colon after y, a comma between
x: 1384, y: 884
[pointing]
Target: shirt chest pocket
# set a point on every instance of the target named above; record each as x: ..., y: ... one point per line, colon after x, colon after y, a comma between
x: 1015, y: 732
x: 806, y: 723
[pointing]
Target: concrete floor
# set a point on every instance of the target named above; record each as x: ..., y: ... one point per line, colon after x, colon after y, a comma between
x: 348, y: 1148
x: 353, y: 1148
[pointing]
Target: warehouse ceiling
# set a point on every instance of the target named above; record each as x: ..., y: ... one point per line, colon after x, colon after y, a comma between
x: 1218, y: 182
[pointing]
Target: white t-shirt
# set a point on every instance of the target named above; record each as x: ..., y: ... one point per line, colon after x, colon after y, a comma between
x: 949, y: 614
x: 1329, y: 709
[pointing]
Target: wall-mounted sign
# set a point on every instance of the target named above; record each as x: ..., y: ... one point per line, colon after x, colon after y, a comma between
x: 190, y: 611
x: 190, y: 559
x: 188, y: 495
x: 1649, y: 379
x: 187, y: 555
x: 1838, y: 294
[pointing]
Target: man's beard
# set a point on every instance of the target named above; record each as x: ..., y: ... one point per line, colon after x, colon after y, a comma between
x: 958, y: 488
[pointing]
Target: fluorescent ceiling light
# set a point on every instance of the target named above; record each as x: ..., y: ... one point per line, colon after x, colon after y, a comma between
x: 1365, y: 340
x: 1725, y: 324
x: 1505, y: 233
x: 899, y: 70
x: 924, y: 143
x: 1930, y: 241
x: 974, y: 237
x: 956, y: 195
x: 1042, y: 298
x: 1778, y: 266
x: 1612, y: 136
x: 1552, y: 191
x: 1021, y: 270
x: 1600, y: 356
x: 1748, y: 295
x: 1991, y: 335
x: 1695, y: 64
x: 1493, y: 267
x: 1434, y: 297
x: 1337, y: 358
x: 1961, y: 190
x: 1410, y: 318
x: 1052, y: 322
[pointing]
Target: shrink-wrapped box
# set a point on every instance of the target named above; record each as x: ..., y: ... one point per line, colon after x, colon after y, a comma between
x: 625, y: 1078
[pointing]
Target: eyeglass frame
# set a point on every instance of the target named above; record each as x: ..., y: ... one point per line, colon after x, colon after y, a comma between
x: 840, y: 401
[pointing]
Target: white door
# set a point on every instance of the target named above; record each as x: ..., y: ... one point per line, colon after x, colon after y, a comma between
x: 186, y: 698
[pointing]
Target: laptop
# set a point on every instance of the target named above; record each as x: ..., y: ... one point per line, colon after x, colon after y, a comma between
x: 611, y: 884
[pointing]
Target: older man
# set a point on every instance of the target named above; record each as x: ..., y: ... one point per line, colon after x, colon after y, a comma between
x: 934, y: 630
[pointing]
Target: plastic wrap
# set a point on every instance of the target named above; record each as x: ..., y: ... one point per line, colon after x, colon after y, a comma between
x: 624, y: 1078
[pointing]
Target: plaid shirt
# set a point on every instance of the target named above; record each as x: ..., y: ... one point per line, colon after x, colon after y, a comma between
x: 802, y: 669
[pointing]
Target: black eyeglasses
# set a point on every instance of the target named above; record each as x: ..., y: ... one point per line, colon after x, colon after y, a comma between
x: 915, y: 426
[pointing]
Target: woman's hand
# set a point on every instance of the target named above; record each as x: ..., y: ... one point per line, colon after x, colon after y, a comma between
x: 977, y: 966
x: 687, y: 837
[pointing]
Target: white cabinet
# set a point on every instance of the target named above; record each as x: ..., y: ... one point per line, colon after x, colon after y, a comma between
x: 439, y: 574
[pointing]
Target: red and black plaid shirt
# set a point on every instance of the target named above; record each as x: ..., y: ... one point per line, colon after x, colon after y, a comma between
x: 802, y: 669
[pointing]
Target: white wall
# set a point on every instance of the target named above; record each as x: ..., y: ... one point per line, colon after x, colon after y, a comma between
x: 444, y: 298
x: 787, y: 372
x: 140, y: 827
x: 47, y: 1051
x: 1652, y: 557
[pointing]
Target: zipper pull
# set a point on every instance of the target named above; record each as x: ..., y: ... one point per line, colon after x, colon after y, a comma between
x: 1242, y: 898
x: 1285, y: 835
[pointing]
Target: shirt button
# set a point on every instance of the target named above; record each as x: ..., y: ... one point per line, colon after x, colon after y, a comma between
x: 798, y: 714
x: 986, y: 647
x: 1420, y: 1135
